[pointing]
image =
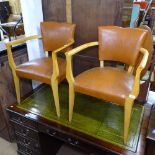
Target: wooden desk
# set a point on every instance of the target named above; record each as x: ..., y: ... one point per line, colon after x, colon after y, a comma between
x: 151, y: 134
x: 33, y: 131
x: 7, y: 91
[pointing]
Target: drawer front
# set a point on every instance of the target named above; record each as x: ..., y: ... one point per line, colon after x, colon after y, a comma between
x: 22, y: 120
x: 25, y: 132
x: 88, y: 148
x: 57, y: 134
x: 47, y: 130
x: 26, y: 151
x: 34, y: 145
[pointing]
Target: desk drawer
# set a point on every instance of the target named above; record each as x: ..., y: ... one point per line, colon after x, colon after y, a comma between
x: 25, y: 132
x: 26, y: 151
x: 58, y: 134
x: 48, y: 130
x: 22, y: 120
x: 74, y: 141
x: 34, y: 145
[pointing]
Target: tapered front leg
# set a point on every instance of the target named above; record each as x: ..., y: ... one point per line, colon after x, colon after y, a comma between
x: 17, y: 86
x: 127, y: 117
x: 54, y: 86
x: 71, y: 101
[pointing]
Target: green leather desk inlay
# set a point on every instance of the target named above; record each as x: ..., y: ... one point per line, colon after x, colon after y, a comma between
x: 91, y: 116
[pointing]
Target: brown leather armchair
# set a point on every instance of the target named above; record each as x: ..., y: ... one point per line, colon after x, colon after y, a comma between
x: 112, y: 84
x: 57, y: 37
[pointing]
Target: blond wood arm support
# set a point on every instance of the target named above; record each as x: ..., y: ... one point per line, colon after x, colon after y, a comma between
x: 129, y: 101
x: 69, y: 72
x: 15, y: 42
x: 22, y: 40
x: 82, y: 47
x: 63, y: 47
x: 141, y: 66
x: 12, y: 62
x: 55, y: 61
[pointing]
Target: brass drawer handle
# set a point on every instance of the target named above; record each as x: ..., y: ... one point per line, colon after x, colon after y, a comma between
x: 51, y: 133
x: 19, y: 120
x: 72, y: 142
x: 26, y: 142
x: 25, y: 132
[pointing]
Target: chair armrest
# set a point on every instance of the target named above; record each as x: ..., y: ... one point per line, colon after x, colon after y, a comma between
x: 55, y: 61
x: 69, y: 72
x: 15, y: 42
x: 22, y: 40
x: 145, y: 58
x: 135, y: 90
x: 82, y: 47
x: 63, y: 47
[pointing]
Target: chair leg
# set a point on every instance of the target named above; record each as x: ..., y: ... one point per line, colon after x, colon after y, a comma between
x: 17, y: 87
x: 54, y: 86
x: 127, y: 117
x: 71, y: 101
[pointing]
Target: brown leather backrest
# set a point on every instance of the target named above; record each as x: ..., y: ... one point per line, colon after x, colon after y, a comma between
x: 56, y: 34
x: 120, y: 44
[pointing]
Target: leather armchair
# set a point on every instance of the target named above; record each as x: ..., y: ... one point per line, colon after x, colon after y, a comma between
x: 112, y: 84
x: 56, y: 37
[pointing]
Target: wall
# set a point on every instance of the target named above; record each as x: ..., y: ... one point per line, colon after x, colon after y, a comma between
x: 32, y: 16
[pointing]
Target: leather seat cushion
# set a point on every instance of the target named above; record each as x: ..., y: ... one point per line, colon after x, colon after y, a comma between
x: 41, y: 69
x: 108, y: 83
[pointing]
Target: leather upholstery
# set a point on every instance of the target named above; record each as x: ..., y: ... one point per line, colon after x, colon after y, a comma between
x: 56, y: 35
x: 120, y: 44
x: 41, y: 69
x: 108, y: 83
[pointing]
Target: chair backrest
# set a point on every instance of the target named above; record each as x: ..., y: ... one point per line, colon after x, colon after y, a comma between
x: 120, y: 44
x: 134, y: 15
x: 56, y: 35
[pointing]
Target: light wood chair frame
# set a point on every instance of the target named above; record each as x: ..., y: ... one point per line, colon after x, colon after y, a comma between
x: 55, y: 75
x: 129, y: 101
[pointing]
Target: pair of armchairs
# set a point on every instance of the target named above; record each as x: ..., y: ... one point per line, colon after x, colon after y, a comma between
x: 133, y: 47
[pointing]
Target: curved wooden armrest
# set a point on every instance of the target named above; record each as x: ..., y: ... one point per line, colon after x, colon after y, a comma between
x: 145, y: 58
x: 82, y: 47
x: 22, y: 40
x: 54, y: 58
x: 63, y: 47
x: 141, y: 66
x: 15, y: 42
x: 69, y: 72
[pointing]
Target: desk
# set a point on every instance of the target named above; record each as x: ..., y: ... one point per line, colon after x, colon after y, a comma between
x: 151, y: 134
x: 33, y: 131
x: 7, y: 92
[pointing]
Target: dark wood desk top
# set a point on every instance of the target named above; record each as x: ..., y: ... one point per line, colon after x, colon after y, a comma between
x: 74, y: 137
x: 45, y: 126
